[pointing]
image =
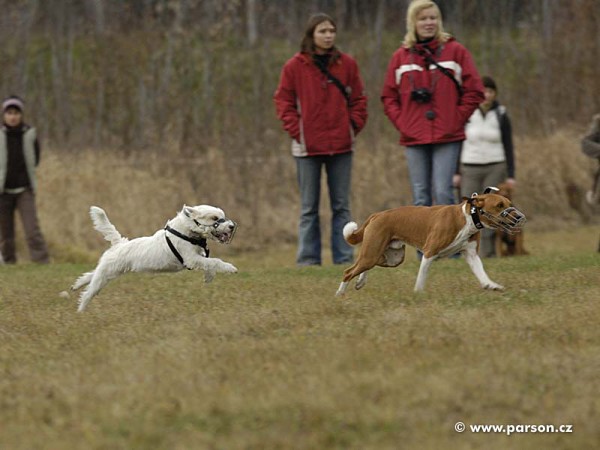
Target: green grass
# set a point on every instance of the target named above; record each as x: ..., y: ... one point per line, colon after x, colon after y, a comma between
x: 269, y: 358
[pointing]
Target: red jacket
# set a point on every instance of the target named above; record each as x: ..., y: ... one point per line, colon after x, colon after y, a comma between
x: 408, y: 71
x: 314, y: 111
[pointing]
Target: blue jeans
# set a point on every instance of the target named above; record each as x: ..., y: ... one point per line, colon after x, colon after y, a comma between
x: 338, y: 169
x: 431, y: 168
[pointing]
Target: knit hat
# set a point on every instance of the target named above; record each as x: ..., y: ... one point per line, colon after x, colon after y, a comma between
x: 13, y: 102
x: 489, y: 83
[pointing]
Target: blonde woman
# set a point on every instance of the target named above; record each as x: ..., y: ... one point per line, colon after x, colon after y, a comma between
x: 431, y: 89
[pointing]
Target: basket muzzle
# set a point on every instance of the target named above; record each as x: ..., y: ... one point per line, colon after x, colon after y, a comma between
x: 510, y: 220
x: 224, y: 230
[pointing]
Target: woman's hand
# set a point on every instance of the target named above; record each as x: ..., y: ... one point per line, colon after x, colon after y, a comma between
x: 456, y: 178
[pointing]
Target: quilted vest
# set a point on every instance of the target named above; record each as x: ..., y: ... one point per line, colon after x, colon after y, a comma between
x: 29, y: 137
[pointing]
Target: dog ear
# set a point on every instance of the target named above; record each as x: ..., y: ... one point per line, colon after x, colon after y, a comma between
x: 478, y: 201
x: 187, y: 211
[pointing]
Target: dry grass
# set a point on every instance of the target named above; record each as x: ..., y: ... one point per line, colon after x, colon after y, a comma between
x: 142, y: 191
x: 269, y: 358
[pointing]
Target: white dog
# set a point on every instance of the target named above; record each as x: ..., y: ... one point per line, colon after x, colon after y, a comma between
x: 180, y: 245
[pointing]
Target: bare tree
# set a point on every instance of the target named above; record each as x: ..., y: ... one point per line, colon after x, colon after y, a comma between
x: 252, y: 22
x: 115, y: 66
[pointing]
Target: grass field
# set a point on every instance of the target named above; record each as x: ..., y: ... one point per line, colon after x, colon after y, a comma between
x: 270, y: 359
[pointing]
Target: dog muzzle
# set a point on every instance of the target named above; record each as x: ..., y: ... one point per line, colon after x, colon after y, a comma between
x: 224, y: 234
x: 511, y: 220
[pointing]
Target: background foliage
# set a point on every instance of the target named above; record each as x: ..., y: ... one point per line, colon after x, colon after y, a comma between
x: 189, y: 74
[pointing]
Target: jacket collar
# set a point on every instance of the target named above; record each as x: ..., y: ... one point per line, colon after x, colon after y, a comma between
x: 307, y: 57
x: 23, y: 128
x: 432, y: 45
x: 494, y: 106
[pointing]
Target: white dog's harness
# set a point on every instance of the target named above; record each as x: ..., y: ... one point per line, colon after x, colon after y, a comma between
x: 201, y: 242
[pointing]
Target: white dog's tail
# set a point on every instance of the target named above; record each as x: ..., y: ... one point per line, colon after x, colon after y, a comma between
x: 103, y: 225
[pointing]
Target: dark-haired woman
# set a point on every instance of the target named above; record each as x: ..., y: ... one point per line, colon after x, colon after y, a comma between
x: 322, y: 105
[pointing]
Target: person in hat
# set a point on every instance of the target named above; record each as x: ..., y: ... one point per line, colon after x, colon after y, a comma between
x: 19, y: 157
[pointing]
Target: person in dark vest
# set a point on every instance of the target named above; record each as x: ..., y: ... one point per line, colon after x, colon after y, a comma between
x: 19, y: 157
x: 590, y: 146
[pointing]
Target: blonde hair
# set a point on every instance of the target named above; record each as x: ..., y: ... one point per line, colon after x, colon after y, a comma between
x: 415, y: 7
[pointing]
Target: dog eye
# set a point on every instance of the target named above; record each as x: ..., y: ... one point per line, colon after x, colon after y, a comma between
x: 500, y: 205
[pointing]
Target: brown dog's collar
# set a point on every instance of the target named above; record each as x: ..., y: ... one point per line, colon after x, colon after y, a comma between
x: 474, y: 212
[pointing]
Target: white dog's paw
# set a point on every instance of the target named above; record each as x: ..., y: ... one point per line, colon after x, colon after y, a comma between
x: 64, y: 294
x: 491, y: 286
x: 228, y: 268
x: 81, y: 304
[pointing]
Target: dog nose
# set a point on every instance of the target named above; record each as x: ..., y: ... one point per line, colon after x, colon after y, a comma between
x: 231, y: 227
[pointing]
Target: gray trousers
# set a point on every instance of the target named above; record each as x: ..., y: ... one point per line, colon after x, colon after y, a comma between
x: 475, y: 178
x: 25, y: 203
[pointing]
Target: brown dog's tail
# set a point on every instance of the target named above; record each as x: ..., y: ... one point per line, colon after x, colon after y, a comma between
x: 353, y: 234
x: 350, y: 234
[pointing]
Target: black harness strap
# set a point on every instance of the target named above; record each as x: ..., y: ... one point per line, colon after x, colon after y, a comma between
x: 175, y: 252
x: 201, y: 242
x: 345, y: 90
x: 428, y: 57
x: 322, y: 65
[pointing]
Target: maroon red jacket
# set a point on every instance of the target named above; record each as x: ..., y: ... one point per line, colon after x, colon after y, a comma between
x: 314, y: 111
x: 408, y: 70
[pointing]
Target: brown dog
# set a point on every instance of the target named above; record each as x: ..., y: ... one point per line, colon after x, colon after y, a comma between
x: 508, y: 244
x: 437, y: 231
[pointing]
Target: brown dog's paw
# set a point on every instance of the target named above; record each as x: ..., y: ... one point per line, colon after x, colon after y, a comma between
x: 491, y: 286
